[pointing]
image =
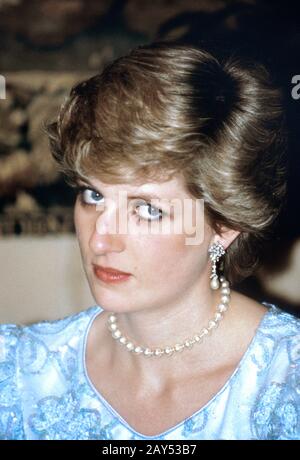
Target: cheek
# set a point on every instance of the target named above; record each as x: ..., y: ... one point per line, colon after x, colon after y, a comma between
x: 160, y: 256
x: 83, y: 225
x: 163, y: 257
x: 78, y: 221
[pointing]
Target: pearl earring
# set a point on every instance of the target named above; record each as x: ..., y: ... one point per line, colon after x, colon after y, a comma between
x: 215, y: 252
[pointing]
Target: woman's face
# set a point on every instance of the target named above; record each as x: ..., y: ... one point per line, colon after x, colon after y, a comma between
x: 165, y: 263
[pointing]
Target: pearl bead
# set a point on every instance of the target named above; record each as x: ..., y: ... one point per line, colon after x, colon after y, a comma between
x: 225, y: 291
x: 222, y: 307
x: 197, y: 338
x: 225, y: 299
x: 138, y: 350
x: 169, y: 351
x: 179, y: 347
x: 123, y: 340
x: 212, y: 324
x: 148, y: 352
x: 112, y: 318
x: 222, y: 279
x: 214, y: 284
x: 204, y: 332
x: 116, y: 334
x: 218, y: 316
x: 113, y: 327
x: 158, y: 352
x: 130, y: 346
x: 225, y: 283
x: 188, y: 344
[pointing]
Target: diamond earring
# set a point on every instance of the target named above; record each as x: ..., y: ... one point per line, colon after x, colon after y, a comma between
x: 216, y: 251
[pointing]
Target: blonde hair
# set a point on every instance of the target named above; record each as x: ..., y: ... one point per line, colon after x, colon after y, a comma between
x: 170, y: 109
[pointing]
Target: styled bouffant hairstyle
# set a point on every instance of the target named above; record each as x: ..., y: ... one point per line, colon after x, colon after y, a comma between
x: 170, y: 109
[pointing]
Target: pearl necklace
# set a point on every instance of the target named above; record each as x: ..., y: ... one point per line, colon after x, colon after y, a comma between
x: 178, y: 347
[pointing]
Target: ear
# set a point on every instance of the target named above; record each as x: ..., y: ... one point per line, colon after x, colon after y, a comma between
x: 225, y: 236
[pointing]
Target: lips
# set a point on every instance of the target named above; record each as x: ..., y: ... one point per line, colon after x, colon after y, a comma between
x: 111, y: 270
x: 109, y: 274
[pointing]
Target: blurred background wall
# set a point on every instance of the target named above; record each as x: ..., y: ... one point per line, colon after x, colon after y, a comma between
x: 46, y: 46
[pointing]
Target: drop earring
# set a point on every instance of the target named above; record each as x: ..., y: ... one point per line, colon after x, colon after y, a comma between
x: 216, y: 251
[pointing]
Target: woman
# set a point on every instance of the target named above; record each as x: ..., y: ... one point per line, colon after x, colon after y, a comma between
x: 169, y: 351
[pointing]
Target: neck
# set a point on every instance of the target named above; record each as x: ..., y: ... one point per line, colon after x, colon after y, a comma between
x: 166, y: 326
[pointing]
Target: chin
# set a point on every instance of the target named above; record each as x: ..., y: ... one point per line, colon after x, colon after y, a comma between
x: 110, y: 301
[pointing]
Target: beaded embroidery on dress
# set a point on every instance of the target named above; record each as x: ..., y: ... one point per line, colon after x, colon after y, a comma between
x: 46, y: 393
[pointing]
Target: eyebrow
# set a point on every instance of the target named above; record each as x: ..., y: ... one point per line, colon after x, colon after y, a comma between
x: 144, y: 195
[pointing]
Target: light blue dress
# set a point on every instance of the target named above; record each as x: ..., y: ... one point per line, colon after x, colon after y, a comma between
x: 45, y: 392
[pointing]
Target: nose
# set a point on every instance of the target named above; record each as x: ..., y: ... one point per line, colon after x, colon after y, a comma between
x: 104, y: 237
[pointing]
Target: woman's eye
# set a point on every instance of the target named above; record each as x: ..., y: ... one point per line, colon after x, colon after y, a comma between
x: 148, y: 212
x: 90, y: 197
